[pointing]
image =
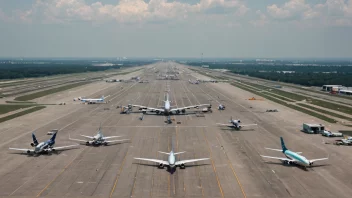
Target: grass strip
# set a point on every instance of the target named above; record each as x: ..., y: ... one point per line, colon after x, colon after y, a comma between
x: 48, y: 92
x: 20, y: 102
x: 4, y: 108
x: 269, y: 93
x: 303, y: 110
x: 321, y: 103
x: 6, y: 118
x: 326, y: 112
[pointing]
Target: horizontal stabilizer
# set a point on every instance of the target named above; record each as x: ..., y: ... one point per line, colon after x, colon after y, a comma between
x: 179, y: 152
x: 314, y: 160
x: 274, y: 149
x: 164, y: 153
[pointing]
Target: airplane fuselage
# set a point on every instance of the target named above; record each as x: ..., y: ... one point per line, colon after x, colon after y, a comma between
x: 43, y: 146
x: 299, y: 159
x: 171, y: 159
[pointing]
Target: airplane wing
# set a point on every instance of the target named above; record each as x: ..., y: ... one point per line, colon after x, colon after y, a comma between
x: 153, y: 160
x: 19, y: 149
x: 228, y: 125
x: 248, y: 125
x: 279, y: 158
x: 314, y: 160
x: 78, y: 140
x: 109, y: 137
x: 189, y: 107
x: 281, y: 150
x: 64, y: 147
x: 148, y: 108
x: 91, y: 137
x: 191, y: 160
x: 116, y: 141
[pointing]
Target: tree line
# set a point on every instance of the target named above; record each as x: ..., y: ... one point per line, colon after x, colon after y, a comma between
x: 303, y: 75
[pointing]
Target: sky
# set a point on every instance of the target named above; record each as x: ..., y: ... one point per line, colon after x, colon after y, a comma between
x: 176, y: 28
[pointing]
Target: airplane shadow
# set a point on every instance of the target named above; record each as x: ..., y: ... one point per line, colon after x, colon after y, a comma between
x: 235, y: 130
x: 170, y: 170
x: 295, y: 165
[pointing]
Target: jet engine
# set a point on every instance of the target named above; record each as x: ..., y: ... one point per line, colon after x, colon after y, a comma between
x: 182, y: 166
x: 177, y: 111
x: 28, y: 151
x: 32, y: 144
x: 183, y: 110
x: 310, y: 163
x: 161, y: 165
x: 157, y: 112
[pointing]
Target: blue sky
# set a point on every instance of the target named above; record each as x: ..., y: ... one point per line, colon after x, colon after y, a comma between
x: 167, y: 28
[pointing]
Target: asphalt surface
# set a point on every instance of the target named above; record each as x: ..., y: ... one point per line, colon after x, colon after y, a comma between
x: 235, y: 168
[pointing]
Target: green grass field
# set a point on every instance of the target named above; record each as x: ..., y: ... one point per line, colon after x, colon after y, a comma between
x: 48, y: 92
x: 326, y: 112
x: 6, y: 118
x: 4, y: 108
x: 272, y: 98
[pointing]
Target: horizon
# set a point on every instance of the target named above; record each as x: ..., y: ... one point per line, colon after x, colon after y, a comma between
x: 290, y: 29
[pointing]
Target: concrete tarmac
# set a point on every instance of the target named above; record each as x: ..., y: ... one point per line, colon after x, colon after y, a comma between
x: 235, y: 168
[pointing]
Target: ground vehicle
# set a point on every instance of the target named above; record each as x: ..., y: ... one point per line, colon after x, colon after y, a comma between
x: 313, y: 128
x: 327, y: 133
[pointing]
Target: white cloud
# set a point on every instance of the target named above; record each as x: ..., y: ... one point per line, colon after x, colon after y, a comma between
x: 263, y: 19
x: 291, y: 9
x: 127, y: 11
x: 331, y: 12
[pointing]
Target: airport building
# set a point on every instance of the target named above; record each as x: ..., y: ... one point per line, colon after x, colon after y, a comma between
x: 331, y: 87
x: 346, y: 92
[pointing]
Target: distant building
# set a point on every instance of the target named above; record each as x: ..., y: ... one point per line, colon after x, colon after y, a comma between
x: 346, y: 92
x: 330, y: 87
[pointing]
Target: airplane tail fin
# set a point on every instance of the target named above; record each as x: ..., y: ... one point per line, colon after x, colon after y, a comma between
x: 99, y: 130
x: 53, y: 137
x: 283, y: 145
x: 35, y: 141
x: 179, y: 152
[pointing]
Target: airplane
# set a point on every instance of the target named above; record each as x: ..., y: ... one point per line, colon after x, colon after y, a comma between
x: 93, y: 100
x: 292, y: 157
x: 43, y: 147
x: 221, y: 107
x: 167, y: 108
x: 98, y: 139
x: 171, y: 160
x: 235, y: 124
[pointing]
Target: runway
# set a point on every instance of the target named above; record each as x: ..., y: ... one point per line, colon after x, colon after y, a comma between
x: 235, y: 168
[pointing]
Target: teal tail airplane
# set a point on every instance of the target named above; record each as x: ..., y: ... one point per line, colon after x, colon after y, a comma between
x: 292, y: 157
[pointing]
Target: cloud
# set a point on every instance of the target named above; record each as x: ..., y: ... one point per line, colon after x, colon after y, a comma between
x: 332, y: 12
x: 263, y: 19
x: 291, y: 9
x: 126, y: 11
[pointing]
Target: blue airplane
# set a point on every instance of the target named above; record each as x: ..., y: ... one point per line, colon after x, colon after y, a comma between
x: 43, y: 147
x: 93, y: 100
x: 292, y: 157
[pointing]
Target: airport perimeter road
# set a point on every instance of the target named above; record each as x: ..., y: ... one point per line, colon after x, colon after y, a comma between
x: 235, y: 168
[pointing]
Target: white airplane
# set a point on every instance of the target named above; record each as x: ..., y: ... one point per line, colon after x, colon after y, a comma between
x: 171, y: 160
x: 98, y: 139
x: 221, y: 107
x: 43, y: 147
x: 167, y: 109
x: 93, y: 100
x: 292, y: 157
x: 235, y: 124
